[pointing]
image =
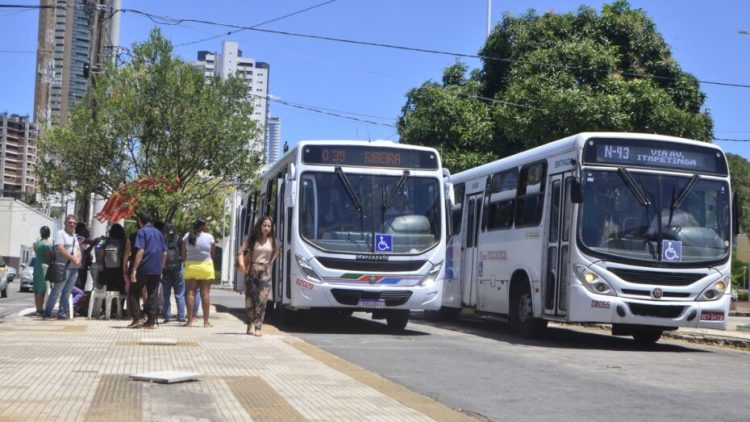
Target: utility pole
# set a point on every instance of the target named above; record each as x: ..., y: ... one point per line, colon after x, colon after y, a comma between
x: 489, y: 17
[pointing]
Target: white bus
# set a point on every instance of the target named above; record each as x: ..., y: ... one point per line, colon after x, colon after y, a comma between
x: 568, y: 232
x: 362, y: 226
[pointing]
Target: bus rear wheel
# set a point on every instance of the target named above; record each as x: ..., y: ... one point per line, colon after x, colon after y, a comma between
x: 522, y: 319
x: 397, y: 320
x: 646, y: 337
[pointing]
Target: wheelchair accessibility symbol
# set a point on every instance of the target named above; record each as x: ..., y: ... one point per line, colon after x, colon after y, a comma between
x: 671, y: 250
x: 383, y: 242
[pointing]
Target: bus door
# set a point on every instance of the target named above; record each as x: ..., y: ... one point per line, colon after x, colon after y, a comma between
x: 470, y: 251
x: 557, y: 248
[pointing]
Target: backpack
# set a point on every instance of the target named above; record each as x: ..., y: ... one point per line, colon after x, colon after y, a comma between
x: 112, y: 256
x: 174, y: 261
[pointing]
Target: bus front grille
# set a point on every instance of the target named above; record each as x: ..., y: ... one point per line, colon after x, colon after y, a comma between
x: 351, y: 296
x: 658, y: 311
x: 372, y: 266
x: 657, y: 278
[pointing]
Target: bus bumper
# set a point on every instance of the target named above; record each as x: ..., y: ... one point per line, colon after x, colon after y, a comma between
x: 306, y: 295
x: 588, y: 307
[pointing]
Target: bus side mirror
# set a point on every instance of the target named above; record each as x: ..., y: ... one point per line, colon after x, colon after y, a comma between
x: 576, y: 192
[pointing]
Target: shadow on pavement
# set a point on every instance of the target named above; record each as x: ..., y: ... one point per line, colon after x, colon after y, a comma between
x: 325, y: 322
x: 553, y: 337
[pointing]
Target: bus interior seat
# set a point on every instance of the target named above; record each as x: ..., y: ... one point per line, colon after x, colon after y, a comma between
x: 413, y: 224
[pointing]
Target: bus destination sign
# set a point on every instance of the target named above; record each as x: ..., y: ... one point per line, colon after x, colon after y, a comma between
x: 368, y: 156
x: 655, y: 154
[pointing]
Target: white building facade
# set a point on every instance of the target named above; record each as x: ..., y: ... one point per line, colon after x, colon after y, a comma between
x: 256, y: 75
x: 273, y: 137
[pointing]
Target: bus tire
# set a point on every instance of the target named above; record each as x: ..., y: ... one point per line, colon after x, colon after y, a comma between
x: 397, y: 319
x: 522, y: 319
x: 646, y: 336
x: 283, y: 316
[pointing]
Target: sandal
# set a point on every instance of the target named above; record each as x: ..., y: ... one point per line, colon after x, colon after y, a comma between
x: 250, y: 330
x: 258, y: 333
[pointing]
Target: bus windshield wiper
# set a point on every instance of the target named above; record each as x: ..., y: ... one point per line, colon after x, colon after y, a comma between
x: 349, y: 189
x: 398, y: 187
x: 675, y: 202
x: 634, y: 186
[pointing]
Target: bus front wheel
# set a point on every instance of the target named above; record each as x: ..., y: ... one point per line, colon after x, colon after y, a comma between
x: 397, y: 320
x: 522, y: 319
x: 646, y: 337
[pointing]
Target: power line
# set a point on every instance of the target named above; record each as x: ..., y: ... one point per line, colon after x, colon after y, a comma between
x: 256, y: 25
x: 424, y: 50
x: 321, y: 110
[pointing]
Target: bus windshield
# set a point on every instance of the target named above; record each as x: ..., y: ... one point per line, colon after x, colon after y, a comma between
x: 342, y: 212
x: 618, y: 217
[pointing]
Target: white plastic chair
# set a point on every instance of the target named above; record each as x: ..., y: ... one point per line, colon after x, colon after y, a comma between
x: 97, y: 295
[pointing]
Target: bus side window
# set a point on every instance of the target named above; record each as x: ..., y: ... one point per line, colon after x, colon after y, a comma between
x: 457, y: 209
x: 530, y: 196
x: 501, y: 198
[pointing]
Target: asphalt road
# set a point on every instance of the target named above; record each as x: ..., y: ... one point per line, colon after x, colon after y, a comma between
x: 572, y: 374
x: 16, y: 301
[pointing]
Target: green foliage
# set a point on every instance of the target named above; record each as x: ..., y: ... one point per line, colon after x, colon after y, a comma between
x: 155, y: 116
x: 555, y: 75
x: 739, y: 171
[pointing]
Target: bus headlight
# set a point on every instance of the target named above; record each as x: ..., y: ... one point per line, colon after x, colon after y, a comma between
x: 593, y: 282
x: 308, y: 270
x: 715, y: 291
x: 432, y: 274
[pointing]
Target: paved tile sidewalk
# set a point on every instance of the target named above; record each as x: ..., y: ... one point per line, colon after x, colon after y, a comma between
x: 79, y: 370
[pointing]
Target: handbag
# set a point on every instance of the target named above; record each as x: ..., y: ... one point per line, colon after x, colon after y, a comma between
x: 57, y: 271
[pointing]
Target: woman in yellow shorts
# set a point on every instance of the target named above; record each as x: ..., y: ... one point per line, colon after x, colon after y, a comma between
x: 198, y: 251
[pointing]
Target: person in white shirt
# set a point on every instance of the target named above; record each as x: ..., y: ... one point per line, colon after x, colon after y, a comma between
x: 68, y: 252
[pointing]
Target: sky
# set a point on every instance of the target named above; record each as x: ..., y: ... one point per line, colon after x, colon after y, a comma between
x: 370, y: 83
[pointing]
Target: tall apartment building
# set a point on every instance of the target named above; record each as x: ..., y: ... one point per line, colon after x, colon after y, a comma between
x: 69, y: 49
x: 17, y: 156
x: 274, y: 139
x: 256, y: 75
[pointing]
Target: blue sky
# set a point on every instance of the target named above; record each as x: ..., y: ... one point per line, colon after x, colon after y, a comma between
x: 370, y: 83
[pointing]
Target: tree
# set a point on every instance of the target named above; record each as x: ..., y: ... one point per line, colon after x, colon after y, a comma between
x: 154, y: 118
x: 451, y: 118
x: 739, y: 171
x: 555, y: 75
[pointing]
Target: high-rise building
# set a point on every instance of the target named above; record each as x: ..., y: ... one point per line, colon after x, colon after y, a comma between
x: 255, y: 74
x: 17, y: 156
x: 69, y: 50
x: 274, y: 139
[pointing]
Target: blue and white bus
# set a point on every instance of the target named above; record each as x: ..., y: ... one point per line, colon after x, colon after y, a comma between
x: 632, y: 230
x: 362, y: 227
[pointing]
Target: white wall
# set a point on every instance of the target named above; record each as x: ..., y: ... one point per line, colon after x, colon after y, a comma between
x: 19, y: 228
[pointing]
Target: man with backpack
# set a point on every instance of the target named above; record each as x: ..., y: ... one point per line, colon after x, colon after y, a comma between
x: 172, y: 277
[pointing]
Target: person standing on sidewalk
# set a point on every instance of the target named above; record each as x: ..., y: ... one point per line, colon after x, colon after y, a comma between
x: 198, y: 251
x: 255, y: 260
x: 173, y: 276
x: 44, y: 256
x: 146, y: 271
x: 67, y: 252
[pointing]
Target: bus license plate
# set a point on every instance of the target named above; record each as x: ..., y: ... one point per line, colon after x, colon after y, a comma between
x: 712, y: 316
x: 372, y: 303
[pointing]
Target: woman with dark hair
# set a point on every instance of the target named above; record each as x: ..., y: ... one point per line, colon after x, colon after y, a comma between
x: 112, y: 257
x: 198, y: 249
x: 255, y: 260
x: 43, y: 257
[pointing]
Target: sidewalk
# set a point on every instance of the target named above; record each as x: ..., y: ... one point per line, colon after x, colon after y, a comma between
x: 80, y: 370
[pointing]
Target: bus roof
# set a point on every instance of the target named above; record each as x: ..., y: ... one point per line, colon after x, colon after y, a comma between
x: 570, y: 143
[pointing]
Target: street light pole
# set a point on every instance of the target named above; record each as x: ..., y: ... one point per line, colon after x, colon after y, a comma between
x: 489, y: 17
